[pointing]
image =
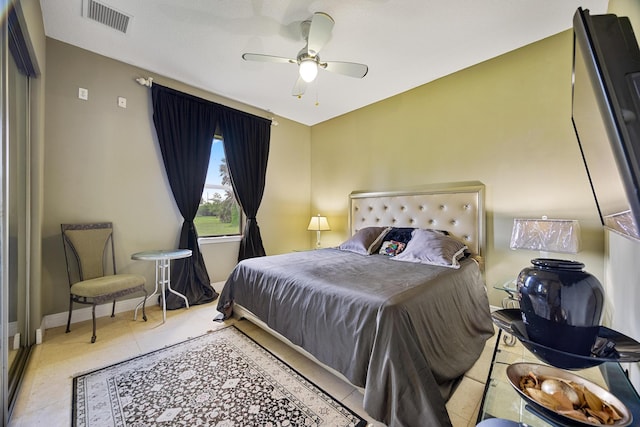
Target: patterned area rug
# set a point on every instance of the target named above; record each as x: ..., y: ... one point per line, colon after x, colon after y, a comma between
x: 221, y: 379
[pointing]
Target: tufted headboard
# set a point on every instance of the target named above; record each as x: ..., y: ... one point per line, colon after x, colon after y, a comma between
x: 455, y: 207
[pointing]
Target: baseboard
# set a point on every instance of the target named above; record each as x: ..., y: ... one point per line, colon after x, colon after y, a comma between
x: 217, y: 286
x: 84, y: 313
x: 13, y: 328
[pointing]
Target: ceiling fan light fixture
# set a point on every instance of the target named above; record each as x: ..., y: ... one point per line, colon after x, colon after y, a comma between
x: 308, y: 70
x: 316, y: 32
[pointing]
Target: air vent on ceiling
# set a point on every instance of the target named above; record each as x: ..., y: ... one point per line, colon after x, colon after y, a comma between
x: 106, y: 15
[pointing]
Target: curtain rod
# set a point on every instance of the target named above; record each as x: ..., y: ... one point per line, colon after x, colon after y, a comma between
x: 148, y: 82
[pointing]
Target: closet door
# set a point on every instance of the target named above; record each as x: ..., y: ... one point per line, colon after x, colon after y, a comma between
x: 18, y: 168
x: 15, y: 215
x: 4, y: 240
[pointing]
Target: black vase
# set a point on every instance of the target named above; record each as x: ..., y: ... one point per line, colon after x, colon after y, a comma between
x: 561, y: 305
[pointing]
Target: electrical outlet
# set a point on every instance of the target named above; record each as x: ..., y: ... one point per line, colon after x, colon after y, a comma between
x: 83, y: 93
x: 122, y: 102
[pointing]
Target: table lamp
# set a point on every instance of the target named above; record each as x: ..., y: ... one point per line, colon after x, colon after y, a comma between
x: 318, y: 223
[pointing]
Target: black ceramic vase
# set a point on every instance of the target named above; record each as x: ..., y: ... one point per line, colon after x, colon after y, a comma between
x: 561, y: 305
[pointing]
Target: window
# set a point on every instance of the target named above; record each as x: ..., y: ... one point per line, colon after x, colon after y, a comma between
x: 218, y: 214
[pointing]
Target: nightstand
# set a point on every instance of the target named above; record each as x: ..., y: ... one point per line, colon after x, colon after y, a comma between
x: 510, y: 301
x: 511, y: 288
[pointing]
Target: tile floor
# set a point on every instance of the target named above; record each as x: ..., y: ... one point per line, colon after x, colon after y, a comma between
x: 45, y: 395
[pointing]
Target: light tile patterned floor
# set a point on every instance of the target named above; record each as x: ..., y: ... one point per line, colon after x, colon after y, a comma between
x: 45, y: 395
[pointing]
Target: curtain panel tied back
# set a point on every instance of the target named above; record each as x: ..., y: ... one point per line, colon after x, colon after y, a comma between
x: 185, y: 126
x: 247, y: 153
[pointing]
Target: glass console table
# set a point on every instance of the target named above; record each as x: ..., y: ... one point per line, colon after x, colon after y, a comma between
x: 500, y: 400
x: 510, y: 301
x: 511, y: 288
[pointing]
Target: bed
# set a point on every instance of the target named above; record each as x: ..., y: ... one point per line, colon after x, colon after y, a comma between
x: 404, y: 330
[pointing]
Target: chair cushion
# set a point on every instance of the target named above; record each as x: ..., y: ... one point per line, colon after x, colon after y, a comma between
x: 107, y: 285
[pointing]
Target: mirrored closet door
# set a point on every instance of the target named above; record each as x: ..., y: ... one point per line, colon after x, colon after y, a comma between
x: 15, y: 209
x: 18, y: 215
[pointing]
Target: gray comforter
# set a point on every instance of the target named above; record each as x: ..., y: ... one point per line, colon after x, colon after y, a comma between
x: 405, y: 332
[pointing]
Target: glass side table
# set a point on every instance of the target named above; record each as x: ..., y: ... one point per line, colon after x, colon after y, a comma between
x: 510, y: 301
x: 500, y: 400
x: 162, y: 258
x: 511, y: 288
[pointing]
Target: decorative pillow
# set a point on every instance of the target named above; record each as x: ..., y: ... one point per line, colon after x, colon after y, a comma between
x: 434, y: 248
x: 366, y: 241
x: 391, y: 247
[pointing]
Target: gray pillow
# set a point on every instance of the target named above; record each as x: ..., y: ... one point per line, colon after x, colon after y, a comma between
x: 366, y: 240
x: 434, y: 248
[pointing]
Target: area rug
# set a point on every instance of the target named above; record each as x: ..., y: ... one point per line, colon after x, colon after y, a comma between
x: 221, y: 379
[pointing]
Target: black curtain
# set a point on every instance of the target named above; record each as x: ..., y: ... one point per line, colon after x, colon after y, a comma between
x: 246, y: 149
x: 185, y: 126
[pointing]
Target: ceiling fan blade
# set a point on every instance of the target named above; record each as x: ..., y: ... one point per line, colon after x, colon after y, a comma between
x: 267, y: 58
x: 299, y: 88
x: 350, y: 69
x: 319, y: 32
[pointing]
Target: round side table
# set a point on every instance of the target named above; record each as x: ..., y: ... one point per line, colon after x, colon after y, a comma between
x: 162, y: 259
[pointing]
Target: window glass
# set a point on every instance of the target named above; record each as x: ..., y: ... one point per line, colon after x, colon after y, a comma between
x: 218, y: 213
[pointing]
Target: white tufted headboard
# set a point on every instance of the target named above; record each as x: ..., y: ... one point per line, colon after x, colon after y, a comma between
x: 455, y: 207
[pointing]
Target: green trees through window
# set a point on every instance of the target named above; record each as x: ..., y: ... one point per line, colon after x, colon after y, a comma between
x: 218, y: 213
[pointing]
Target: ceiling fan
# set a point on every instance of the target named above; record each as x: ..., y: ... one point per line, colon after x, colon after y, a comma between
x: 316, y: 32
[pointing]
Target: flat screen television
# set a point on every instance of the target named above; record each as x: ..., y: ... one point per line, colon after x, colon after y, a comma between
x: 606, y: 115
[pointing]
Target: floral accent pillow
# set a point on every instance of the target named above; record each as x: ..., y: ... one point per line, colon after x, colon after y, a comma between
x: 400, y: 234
x: 391, y: 247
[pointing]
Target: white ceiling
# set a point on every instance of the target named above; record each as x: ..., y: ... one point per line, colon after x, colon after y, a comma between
x: 405, y: 43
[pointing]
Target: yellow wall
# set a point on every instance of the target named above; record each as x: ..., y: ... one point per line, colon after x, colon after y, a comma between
x: 505, y: 122
x: 102, y: 163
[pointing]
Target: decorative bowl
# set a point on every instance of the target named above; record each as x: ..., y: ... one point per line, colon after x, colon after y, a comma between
x: 518, y: 370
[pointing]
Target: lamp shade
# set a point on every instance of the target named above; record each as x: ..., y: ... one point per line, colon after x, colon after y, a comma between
x: 549, y: 235
x: 318, y: 223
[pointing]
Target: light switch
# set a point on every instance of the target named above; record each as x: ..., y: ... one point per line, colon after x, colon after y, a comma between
x: 122, y: 102
x: 83, y: 93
